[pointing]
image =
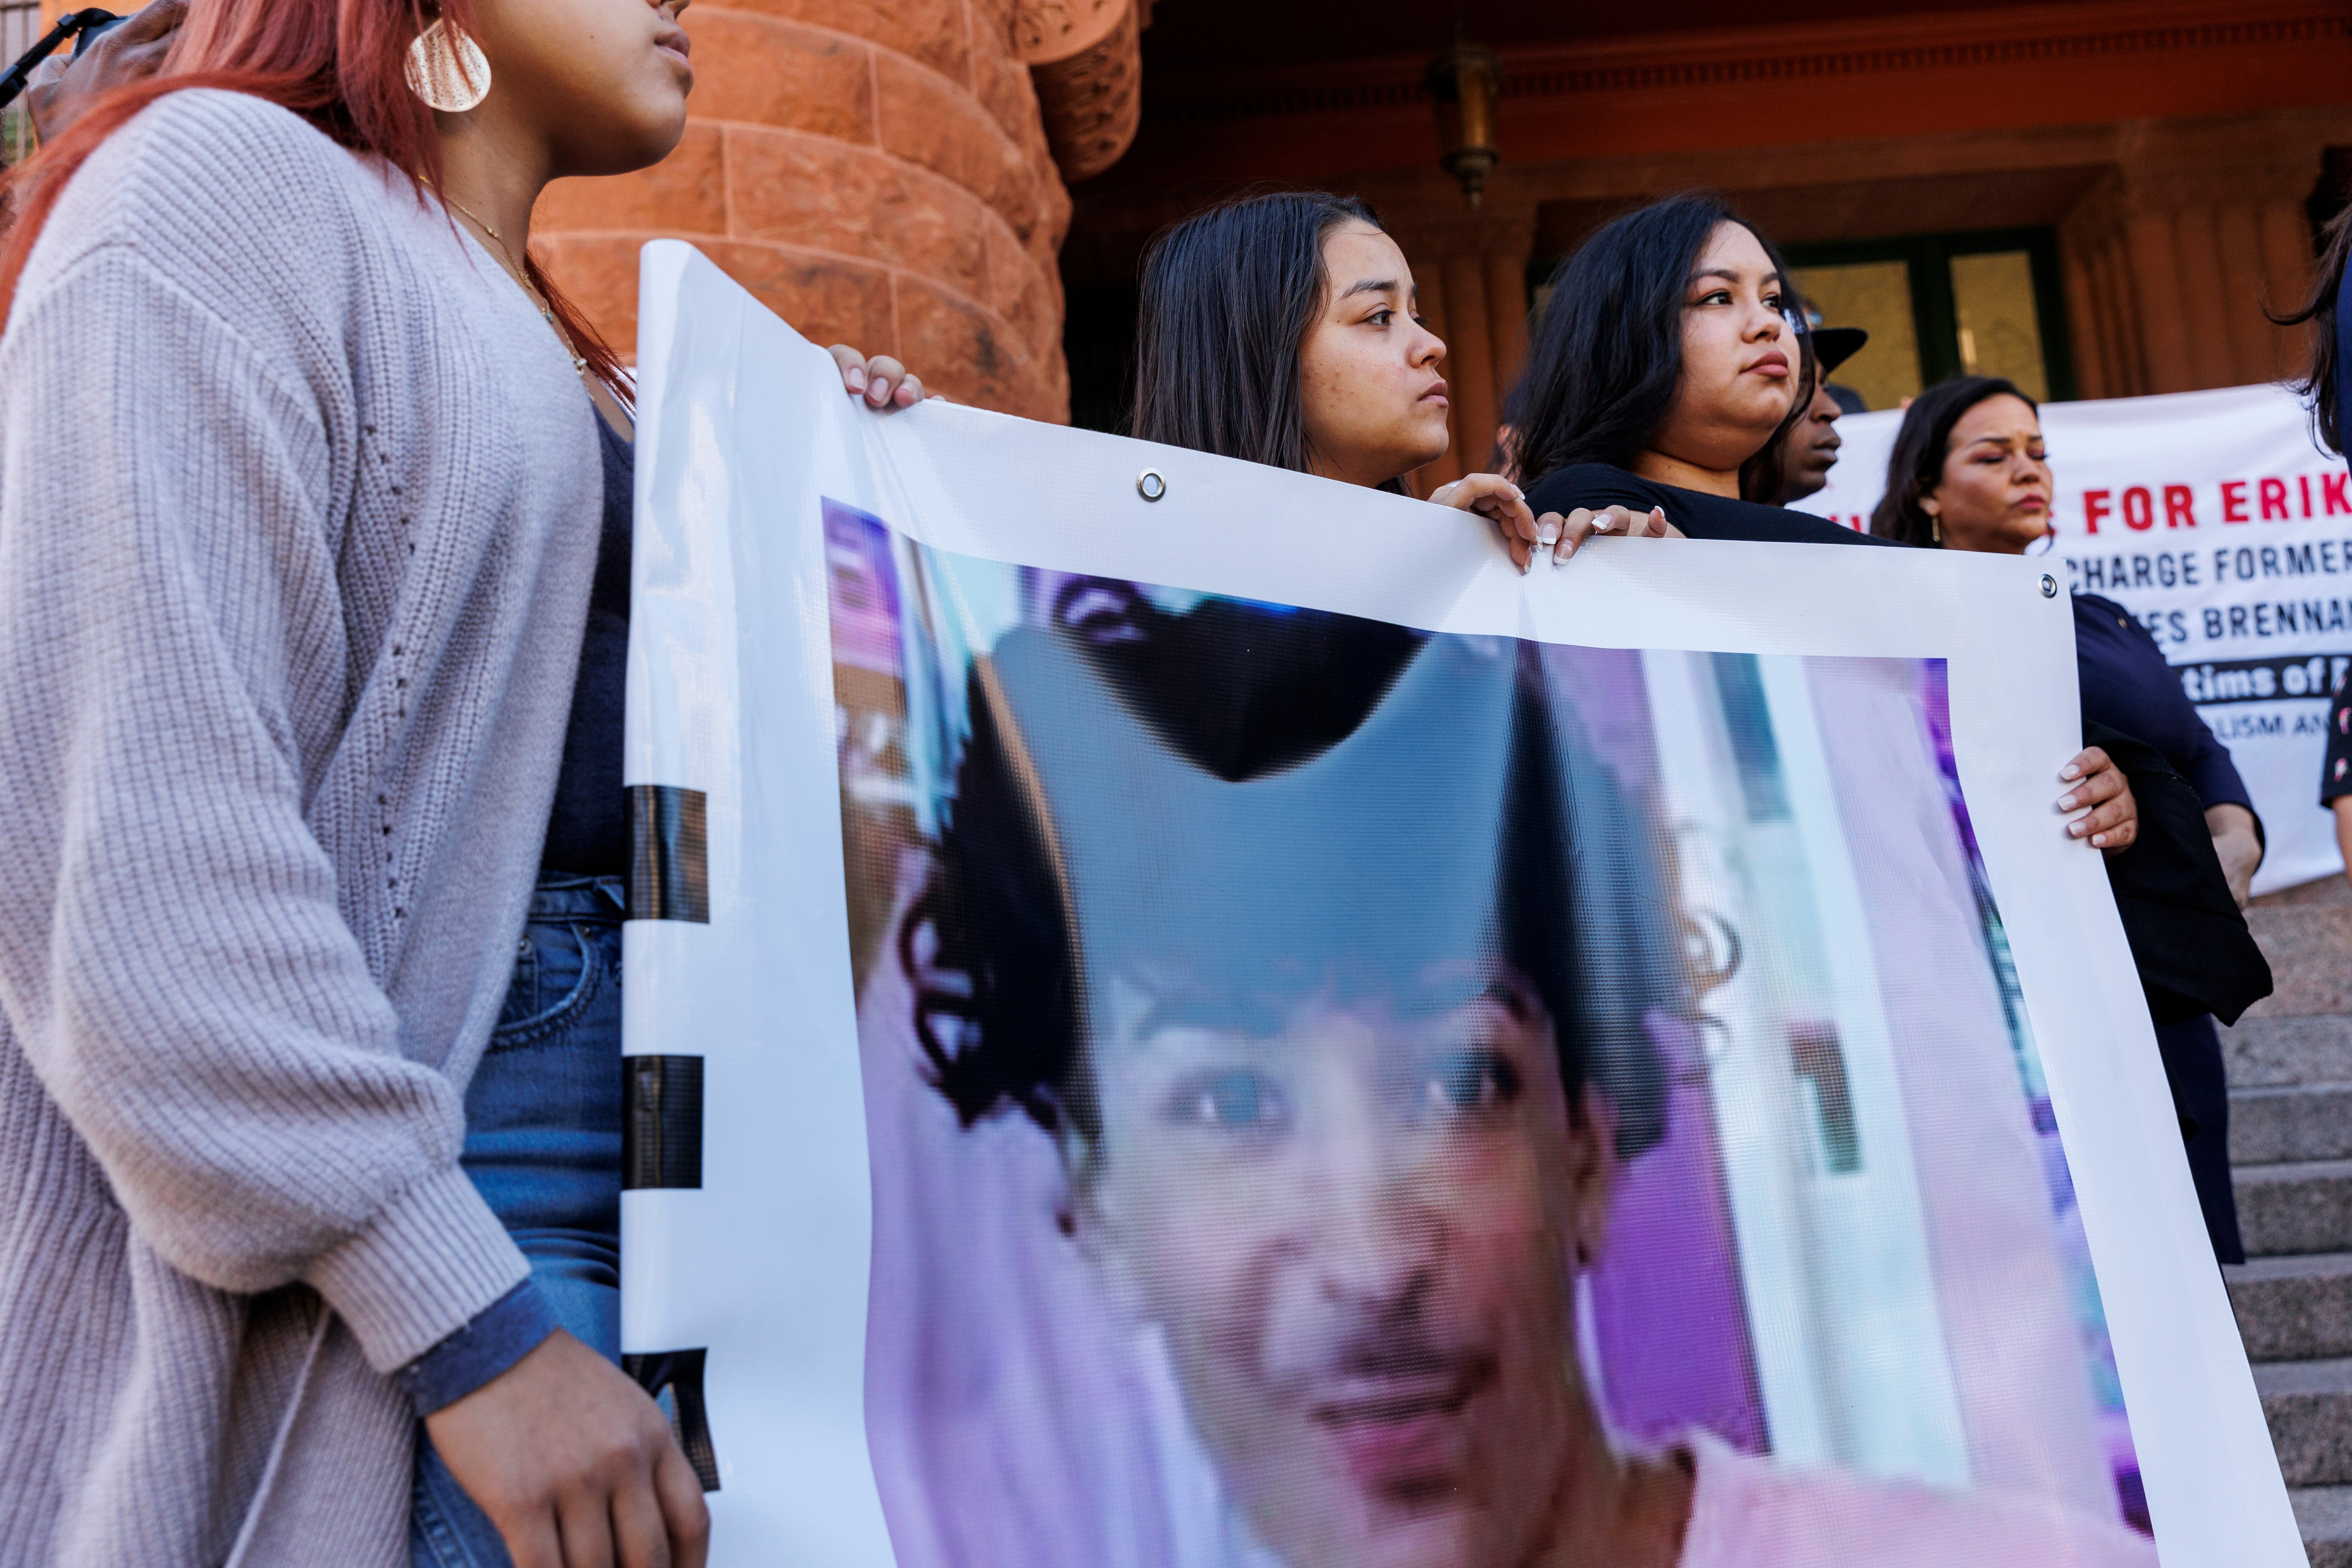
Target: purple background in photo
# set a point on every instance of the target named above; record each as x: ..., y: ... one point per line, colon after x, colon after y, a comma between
x: 1671, y: 1254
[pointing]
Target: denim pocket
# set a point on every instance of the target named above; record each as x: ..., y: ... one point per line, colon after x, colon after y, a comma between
x: 556, y: 975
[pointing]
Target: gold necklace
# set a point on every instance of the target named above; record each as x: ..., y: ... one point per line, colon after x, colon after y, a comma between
x: 546, y: 311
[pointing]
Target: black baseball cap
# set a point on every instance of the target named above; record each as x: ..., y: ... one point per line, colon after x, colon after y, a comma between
x: 1835, y: 345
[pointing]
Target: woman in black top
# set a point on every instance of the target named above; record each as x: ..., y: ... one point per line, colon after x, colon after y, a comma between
x: 2328, y: 388
x: 1667, y: 363
x: 1659, y: 378
x: 1968, y: 471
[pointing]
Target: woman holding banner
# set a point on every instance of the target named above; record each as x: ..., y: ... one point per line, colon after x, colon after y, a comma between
x: 1281, y: 329
x: 1660, y: 373
x: 2328, y: 388
x: 288, y: 703
x: 1969, y: 473
x: 1665, y: 372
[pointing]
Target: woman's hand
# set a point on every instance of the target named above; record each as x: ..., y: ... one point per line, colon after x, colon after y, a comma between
x: 882, y: 381
x: 2097, y: 788
x: 64, y: 85
x: 575, y: 1465
x: 2239, y: 848
x: 1501, y: 502
x: 1563, y: 536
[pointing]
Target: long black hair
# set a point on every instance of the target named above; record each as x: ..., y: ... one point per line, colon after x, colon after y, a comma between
x: 1605, y: 356
x: 2318, y: 387
x: 1915, y: 466
x: 1229, y: 295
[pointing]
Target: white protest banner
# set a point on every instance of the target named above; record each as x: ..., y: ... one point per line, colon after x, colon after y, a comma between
x: 1185, y: 1015
x: 2213, y: 518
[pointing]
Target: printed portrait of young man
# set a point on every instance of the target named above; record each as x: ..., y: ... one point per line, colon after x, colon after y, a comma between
x: 1336, y: 966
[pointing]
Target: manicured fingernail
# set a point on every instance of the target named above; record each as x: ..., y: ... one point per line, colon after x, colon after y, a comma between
x: 2099, y: 840
x: 1527, y: 565
x: 2065, y: 802
x: 1546, y: 534
x: 1604, y: 522
x: 2070, y: 772
x: 856, y: 379
x: 1658, y: 516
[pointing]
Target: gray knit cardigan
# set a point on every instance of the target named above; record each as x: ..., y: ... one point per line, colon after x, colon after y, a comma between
x: 299, y: 506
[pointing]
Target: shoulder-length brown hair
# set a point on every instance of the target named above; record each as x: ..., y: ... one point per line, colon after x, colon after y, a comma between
x: 1229, y: 296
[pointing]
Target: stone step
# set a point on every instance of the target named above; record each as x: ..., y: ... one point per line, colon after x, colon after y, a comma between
x: 2331, y: 889
x: 2324, y: 1514
x: 2309, y: 1407
x: 2293, y: 1309
x: 2290, y: 1121
x: 2270, y: 1049
x: 2303, y: 1207
x: 2305, y: 944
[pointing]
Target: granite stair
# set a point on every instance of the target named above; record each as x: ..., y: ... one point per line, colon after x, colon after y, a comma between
x: 2290, y: 1064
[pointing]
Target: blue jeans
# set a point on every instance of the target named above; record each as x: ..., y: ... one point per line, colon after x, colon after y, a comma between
x: 543, y: 1144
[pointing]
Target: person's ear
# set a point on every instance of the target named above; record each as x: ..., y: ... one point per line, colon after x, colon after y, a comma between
x: 1592, y: 1175
x: 1092, y: 1211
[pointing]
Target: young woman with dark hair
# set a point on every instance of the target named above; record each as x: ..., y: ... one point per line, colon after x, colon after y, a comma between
x: 2325, y: 388
x: 1662, y: 373
x: 1664, y: 369
x: 1968, y: 471
x: 2324, y: 383
x: 1281, y: 329
x: 313, y: 710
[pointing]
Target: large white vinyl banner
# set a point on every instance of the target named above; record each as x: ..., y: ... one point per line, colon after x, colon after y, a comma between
x: 1185, y: 1015
x: 2214, y: 517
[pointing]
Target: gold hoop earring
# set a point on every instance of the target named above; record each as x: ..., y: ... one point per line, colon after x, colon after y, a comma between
x: 448, y: 69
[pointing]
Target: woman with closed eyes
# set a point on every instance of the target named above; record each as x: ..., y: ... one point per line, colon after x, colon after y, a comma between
x: 1970, y: 472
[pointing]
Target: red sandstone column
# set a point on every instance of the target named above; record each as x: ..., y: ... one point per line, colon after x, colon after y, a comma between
x: 2118, y: 303
x: 2164, y: 327
x: 2205, y: 300
x: 876, y: 173
x: 2092, y: 375
x: 1506, y: 315
x: 1469, y: 364
x: 2238, y: 233
x: 2286, y: 271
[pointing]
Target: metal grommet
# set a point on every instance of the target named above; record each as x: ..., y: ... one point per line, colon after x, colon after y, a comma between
x: 1149, y: 485
x: 2049, y: 586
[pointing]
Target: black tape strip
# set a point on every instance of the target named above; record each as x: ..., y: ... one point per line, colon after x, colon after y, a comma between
x: 680, y: 1372
x: 669, y: 853
x: 661, y: 1123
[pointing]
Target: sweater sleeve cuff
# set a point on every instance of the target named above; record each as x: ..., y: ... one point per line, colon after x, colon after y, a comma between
x: 433, y: 1259
x: 502, y: 1334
